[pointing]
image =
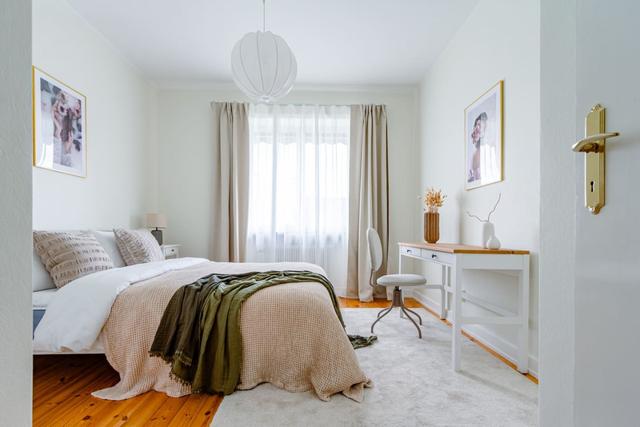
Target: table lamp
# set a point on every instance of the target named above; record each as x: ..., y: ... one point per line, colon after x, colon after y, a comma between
x: 157, y: 221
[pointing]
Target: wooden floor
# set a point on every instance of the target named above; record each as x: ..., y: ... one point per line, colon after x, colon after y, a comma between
x: 62, y: 387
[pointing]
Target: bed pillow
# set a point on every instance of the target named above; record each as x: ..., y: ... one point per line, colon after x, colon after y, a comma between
x: 40, y: 277
x: 137, y: 246
x: 68, y: 255
x: 108, y: 241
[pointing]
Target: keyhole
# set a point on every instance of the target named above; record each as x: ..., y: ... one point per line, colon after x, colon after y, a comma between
x: 592, y: 186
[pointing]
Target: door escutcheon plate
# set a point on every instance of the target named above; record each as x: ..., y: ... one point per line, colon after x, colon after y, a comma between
x: 594, y: 146
x: 594, y: 166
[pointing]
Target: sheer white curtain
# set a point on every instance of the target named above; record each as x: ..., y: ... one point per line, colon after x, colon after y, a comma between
x: 299, y: 186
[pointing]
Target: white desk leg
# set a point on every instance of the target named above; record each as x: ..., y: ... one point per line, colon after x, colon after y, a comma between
x: 443, y: 292
x: 400, y: 272
x: 456, y: 327
x: 523, y: 312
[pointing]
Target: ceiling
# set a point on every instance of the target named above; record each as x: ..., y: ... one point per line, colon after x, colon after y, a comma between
x: 345, y: 42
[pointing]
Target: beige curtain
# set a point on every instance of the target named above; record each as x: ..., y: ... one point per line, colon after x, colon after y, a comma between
x: 230, y: 198
x: 368, y: 196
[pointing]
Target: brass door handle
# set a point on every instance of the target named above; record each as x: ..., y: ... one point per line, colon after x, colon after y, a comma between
x: 593, y: 143
x: 594, y: 148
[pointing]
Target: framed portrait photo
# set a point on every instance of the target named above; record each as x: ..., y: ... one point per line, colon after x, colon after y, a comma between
x: 483, y: 139
x: 59, y: 126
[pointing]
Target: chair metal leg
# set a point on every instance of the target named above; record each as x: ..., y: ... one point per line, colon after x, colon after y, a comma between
x: 412, y: 321
x: 386, y: 311
x: 398, y: 299
x: 398, y: 302
x: 413, y: 312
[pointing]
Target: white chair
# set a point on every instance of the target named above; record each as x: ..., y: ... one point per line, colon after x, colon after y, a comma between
x: 398, y: 281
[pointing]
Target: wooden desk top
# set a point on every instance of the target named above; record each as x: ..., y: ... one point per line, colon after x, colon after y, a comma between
x: 454, y: 248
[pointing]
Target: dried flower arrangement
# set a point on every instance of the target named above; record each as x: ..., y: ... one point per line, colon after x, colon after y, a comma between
x: 433, y: 199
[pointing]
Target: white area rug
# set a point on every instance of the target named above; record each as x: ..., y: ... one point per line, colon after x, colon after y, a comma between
x: 413, y: 385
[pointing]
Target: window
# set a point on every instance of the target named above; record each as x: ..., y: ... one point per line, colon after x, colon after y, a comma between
x: 299, y: 186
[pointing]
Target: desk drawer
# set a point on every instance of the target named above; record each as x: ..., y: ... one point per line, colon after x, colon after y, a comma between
x: 436, y: 256
x: 408, y: 250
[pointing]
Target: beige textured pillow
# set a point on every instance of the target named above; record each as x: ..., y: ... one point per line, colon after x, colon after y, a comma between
x: 68, y: 255
x: 137, y: 246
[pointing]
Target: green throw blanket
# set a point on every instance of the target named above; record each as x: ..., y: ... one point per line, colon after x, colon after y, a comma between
x: 199, y: 334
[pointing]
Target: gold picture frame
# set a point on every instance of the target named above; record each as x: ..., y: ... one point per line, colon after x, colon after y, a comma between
x: 59, y: 125
x: 483, y: 138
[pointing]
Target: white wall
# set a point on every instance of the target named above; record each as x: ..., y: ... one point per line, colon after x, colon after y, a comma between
x: 499, y: 41
x: 15, y: 213
x: 119, y: 187
x: 557, y: 211
x: 185, y: 153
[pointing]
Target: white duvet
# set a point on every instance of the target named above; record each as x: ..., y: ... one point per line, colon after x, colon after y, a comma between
x: 75, y: 316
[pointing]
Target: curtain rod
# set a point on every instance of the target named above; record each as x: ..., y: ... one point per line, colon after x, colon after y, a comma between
x: 299, y: 104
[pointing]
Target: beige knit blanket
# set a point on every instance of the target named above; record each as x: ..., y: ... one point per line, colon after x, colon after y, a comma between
x: 291, y: 337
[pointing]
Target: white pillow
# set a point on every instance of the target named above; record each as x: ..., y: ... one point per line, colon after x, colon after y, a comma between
x: 108, y: 241
x: 40, y: 278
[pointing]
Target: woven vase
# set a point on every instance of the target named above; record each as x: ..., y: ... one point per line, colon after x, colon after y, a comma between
x: 431, y: 227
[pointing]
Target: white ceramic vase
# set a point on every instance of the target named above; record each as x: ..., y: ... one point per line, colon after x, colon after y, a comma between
x: 489, y: 239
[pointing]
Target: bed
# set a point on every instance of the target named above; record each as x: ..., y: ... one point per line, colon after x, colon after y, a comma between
x: 291, y: 336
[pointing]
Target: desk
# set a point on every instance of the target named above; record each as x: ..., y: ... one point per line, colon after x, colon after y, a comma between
x: 455, y: 259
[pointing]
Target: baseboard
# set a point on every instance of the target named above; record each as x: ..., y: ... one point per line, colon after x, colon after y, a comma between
x: 340, y: 291
x: 479, y: 332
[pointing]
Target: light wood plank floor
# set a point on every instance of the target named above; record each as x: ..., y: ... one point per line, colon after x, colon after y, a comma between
x: 62, y: 387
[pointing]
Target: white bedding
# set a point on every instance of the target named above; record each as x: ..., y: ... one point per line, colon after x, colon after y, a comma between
x: 40, y: 300
x: 77, y: 312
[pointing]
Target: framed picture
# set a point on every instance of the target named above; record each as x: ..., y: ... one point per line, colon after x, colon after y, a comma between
x: 59, y: 126
x: 483, y: 139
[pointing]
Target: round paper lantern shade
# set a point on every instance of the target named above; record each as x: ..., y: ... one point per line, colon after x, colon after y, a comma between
x: 263, y: 66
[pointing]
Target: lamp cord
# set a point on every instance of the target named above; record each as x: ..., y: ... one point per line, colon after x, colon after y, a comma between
x: 263, y: 16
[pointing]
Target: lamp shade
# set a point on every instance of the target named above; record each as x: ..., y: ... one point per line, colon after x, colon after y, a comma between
x: 263, y: 66
x: 155, y: 220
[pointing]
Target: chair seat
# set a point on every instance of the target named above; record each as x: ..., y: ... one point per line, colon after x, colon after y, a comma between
x: 402, y: 280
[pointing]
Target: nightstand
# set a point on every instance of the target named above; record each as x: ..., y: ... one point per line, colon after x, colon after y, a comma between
x: 171, y: 251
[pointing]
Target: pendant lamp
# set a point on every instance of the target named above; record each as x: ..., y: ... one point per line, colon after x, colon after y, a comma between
x: 263, y: 66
